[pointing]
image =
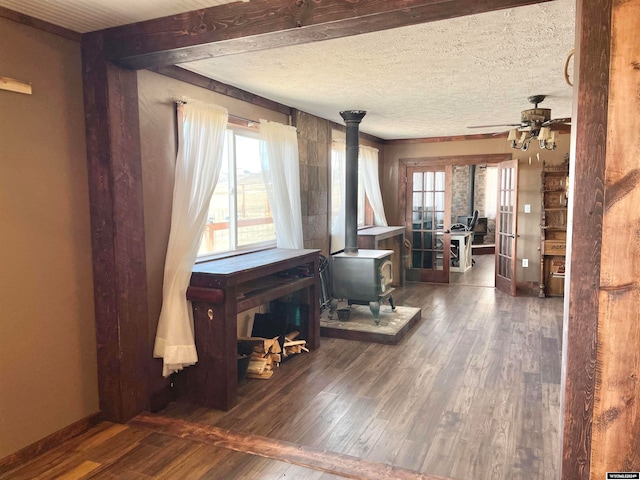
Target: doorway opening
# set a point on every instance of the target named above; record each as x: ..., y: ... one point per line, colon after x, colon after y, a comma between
x: 469, y: 256
x: 474, y: 188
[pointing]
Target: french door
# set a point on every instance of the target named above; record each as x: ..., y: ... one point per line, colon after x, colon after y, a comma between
x: 506, y: 227
x: 427, y: 220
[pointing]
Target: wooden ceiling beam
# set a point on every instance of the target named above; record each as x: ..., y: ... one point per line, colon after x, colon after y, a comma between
x: 193, y: 78
x: 263, y: 24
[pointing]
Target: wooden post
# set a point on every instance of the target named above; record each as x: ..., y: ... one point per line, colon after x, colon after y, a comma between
x: 615, y: 442
x: 117, y: 232
x: 584, y: 239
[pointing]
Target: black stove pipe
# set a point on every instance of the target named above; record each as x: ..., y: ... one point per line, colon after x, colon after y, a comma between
x: 352, y: 119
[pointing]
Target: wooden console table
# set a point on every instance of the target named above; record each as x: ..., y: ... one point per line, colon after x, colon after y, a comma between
x: 386, y: 238
x: 219, y: 290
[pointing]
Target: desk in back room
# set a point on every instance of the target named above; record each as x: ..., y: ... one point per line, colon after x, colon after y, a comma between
x: 461, y: 241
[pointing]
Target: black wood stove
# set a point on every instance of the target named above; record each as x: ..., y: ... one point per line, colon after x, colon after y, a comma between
x: 359, y: 276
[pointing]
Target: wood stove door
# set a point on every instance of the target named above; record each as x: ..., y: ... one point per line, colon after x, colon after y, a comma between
x: 427, y: 220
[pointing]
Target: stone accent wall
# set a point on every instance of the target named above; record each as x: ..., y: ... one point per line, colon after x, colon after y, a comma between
x: 479, y: 197
x: 460, y: 192
x: 314, y: 145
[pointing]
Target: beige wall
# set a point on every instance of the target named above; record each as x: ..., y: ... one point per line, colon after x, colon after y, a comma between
x: 528, y: 188
x: 48, y: 374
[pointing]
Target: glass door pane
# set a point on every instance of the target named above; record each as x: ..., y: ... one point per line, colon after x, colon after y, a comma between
x: 428, y: 205
x: 506, y: 227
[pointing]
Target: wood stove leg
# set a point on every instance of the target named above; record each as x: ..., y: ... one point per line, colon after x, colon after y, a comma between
x: 332, y: 307
x: 392, y: 303
x: 375, y: 309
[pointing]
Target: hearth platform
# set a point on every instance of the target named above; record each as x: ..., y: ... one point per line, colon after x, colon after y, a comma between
x: 361, y: 326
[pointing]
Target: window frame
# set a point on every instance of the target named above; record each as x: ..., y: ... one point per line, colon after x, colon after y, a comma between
x: 232, y: 131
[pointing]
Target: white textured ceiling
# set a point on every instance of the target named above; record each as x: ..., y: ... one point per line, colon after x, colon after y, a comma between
x: 427, y: 80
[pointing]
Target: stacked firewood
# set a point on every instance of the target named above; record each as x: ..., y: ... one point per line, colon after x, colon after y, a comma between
x: 267, y: 353
x: 292, y: 346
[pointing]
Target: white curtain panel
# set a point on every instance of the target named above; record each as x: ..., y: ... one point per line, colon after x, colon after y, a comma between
x: 201, y: 132
x: 281, y: 170
x: 371, y: 182
x: 338, y: 174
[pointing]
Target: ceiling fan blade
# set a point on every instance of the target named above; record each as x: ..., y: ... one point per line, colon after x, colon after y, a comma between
x: 556, y: 121
x: 499, y: 125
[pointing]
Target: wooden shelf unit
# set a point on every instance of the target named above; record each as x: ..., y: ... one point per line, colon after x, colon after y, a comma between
x: 553, y: 229
x: 221, y: 289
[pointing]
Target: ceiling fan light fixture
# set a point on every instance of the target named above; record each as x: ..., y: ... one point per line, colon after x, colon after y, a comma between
x: 547, y: 139
x: 523, y: 142
x: 544, y: 134
x: 534, y: 125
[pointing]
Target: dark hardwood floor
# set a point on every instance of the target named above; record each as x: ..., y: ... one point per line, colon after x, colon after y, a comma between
x: 482, y: 274
x: 472, y: 392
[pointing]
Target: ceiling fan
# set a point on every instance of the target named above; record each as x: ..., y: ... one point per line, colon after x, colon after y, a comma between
x: 535, y: 123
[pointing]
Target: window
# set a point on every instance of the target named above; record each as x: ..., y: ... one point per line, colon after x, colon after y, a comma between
x: 239, y: 214
x: 337, y: 192
x: 365, y: 213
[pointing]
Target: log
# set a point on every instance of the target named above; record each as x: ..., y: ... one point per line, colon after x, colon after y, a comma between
x: 262, y: 345
x: 275, y: 347
x: 291, y: 336
x: 256, y: 366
